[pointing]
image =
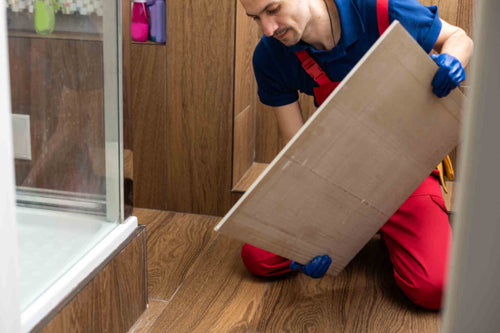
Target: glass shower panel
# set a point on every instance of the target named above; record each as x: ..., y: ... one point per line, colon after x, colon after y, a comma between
x: 65, y: 88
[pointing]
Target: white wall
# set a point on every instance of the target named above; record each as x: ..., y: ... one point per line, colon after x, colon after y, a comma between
x: 472, y: 303
x: 9, y: 271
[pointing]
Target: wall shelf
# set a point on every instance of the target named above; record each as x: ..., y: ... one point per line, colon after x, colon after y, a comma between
x: 148, y: 43
x: 56, y: 35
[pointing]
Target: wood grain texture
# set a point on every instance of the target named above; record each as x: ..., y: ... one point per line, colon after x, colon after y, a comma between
x: 375, y: 303
x: 447, y: 9
x: 245, y: 90
x: 244, y: 143
x: 59, y: 84
x: 113, y: 300
x: 363, y: 298
x: 298, y: 303
x: 218, y: 295
x: 247, y: 37
x: 148, y: 318
x: 355, y: 162
x: 267, y: 141
x: 148, y: 86
x: 175, y: 240
x: 200, y: 73
x: 250, y: 176
x: 465, y: 15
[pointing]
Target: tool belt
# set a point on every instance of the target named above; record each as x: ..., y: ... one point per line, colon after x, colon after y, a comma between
x: 445, y: 170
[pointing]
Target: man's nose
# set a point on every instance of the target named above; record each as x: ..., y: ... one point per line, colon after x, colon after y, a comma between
x: 269, y: 26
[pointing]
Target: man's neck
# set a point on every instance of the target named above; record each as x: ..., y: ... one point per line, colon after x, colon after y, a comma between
x: 318, y: 31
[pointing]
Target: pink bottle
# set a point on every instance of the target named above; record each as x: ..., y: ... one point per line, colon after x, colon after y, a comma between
x: 139, y: 27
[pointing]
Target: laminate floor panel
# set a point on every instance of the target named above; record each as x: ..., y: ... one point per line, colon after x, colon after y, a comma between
x: 175, y: 240
x: 148, y: 318
x: 218, y: 295
x: 201, y: 285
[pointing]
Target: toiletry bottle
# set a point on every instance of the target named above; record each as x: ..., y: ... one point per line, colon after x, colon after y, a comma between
x: 45, y: 19
x: 139, y: 27
x: 160, y: 24
x: 151, y: 12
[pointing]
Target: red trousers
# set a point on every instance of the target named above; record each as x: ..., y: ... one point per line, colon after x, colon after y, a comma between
x: 418, y: 238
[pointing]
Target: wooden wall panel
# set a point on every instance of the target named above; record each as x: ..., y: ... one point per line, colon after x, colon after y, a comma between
x: 149, y: 106
x: 244, y: 143
x: 447, y: 9
x: 247, y: 37
x: 267, y: 141
x: 113, y: 300
x: 245, y: 90
x: 200, y: 67
x: 59, y: 83
x: 465, y: 15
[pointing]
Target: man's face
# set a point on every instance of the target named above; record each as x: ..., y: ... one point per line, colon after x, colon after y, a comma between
x: 284, y: 20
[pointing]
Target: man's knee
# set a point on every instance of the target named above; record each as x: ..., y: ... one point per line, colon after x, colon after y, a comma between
x: 263, y: 263
x: 425, y: 291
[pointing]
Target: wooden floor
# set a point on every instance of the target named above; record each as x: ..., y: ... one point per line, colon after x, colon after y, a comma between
x: 197, y: 283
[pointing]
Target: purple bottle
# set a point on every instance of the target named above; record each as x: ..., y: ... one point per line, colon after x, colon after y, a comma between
x: 151, y: 6
x: 160, y: 24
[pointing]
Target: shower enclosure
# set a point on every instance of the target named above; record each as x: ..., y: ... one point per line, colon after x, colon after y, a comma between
x: 65, y: 84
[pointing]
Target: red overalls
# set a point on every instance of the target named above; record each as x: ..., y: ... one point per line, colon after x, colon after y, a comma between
x: 417, y: 236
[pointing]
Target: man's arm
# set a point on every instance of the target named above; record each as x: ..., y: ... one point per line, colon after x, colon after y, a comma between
x: 289, y: 120
x: 454, y: 41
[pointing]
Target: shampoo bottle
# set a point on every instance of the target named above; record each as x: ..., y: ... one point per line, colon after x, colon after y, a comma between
x: 44, y: 17
x: 151, y: 12
x: 160, y: 24
x: 139, y: 27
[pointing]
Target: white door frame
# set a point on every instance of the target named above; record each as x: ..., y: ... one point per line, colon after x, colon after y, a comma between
x: 10, y: 311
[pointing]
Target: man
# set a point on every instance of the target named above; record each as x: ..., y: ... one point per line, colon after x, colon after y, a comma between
x: 311, y: 45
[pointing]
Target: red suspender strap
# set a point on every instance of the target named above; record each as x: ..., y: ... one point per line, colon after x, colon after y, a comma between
x: 312, y: 68
x: 382, y: 15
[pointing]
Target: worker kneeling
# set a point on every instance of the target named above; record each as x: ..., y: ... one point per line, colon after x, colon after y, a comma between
x: 310, y: 46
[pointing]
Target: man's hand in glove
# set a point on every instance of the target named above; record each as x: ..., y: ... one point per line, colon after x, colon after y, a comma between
x: 316, y: 268
x: 449, y: 75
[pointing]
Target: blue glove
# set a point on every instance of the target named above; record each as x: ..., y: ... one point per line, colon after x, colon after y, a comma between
x: 449, y: 75
x: 316, y: 268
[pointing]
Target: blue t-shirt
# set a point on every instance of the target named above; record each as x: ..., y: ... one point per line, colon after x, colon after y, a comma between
x: 279, y: 72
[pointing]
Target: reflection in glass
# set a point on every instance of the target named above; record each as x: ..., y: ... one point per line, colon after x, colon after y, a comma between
x: 57, y: 72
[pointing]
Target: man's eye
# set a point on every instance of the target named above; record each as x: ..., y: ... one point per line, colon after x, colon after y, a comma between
x: 273, y: 10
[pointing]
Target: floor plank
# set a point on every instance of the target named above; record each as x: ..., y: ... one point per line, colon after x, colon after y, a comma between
x: 375, y: 303
x: 301, y: 304
x: 363, y: 298
x: 175, y: 240
x: 213, y: 292
x: 219, y: 295
x: 146, y: 321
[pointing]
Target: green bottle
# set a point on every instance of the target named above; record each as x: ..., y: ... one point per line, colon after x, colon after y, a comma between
x: 45, y: 19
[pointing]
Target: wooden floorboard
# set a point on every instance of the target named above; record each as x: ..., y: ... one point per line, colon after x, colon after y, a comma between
x: 175, y: 240
x: 298, y: 303
x: 213, y: 292
x: 218, y: 295
x: 374, y: 302
x: 148, y: 318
